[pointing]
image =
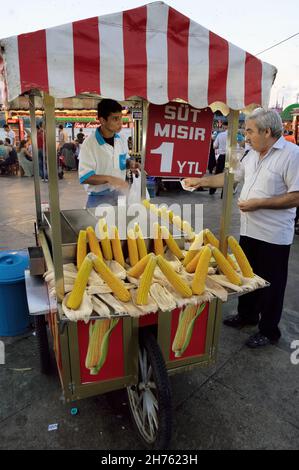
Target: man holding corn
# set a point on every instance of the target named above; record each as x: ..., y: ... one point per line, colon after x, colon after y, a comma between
x: 270, y: 194
x: 104, y: 157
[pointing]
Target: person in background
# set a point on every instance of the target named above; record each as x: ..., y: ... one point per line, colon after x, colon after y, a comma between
x: 220, y: 145
x: 41, y: 156
x: 104, y: 158
x: 289, y: 136
x: 62, y: 136
x: 80, y: 136
x: 212, y: 157
x: 11, y: 156
x: 3, y: 150
x: 10, y: 134
x: 25, y: 158
x: 270, y: 194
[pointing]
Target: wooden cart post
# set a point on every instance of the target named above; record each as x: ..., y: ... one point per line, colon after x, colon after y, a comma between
x: 145, y: 106
x: 49, y: 104
x: 233, y: 122
x: 35, y: 159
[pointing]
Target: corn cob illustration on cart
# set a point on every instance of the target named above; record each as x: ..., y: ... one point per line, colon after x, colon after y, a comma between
x: 127, y: 311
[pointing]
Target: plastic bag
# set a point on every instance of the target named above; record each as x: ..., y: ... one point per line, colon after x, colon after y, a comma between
x: 134, y: 195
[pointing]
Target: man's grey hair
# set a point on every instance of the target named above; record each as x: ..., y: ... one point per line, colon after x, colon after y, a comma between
x: 267, y: 120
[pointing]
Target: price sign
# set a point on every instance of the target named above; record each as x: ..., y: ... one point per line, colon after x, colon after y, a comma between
x: 178, y: 140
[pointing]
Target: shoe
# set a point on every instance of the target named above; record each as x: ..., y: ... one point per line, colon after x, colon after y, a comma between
x: 235, y: 321
x: 259, y: 341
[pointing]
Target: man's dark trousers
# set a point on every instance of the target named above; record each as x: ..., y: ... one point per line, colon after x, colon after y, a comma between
x: 219, y: 169
x: 270, y: 261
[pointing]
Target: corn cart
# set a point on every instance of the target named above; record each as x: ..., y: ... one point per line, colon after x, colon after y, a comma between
x: 135, y: 53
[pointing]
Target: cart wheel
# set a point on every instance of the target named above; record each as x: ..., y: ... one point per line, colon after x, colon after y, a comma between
x: 150, y: 399
x: 43, y: 344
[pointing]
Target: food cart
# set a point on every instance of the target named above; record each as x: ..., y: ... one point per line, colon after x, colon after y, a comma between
x: 159, y: 55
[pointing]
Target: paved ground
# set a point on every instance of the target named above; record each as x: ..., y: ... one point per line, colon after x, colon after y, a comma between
x: 248, y: 400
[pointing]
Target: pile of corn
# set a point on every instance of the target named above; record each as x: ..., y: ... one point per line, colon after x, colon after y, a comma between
x: 141, y: 265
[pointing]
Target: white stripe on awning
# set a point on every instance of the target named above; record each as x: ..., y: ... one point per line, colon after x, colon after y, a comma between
x: 111, y: 56
x: 268, y: 75
x: 11, y: 61
x: 60, y: 60
x: 198, y: 65
x: 156, y: 49
x: 235, y: 85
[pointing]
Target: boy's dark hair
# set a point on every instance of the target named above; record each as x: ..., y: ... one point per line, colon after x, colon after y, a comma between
x: 5, y: 126
x: 107, y: 106
x: 60, y: 126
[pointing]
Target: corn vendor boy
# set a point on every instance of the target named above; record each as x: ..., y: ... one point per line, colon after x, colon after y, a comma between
x: 270, y: 193
x: 104, y: 159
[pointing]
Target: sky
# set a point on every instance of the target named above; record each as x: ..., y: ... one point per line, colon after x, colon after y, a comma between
x: 253, y: 26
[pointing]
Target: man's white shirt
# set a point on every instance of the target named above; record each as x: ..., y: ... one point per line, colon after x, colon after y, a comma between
x: 274, y: 175
x: 220, y: 143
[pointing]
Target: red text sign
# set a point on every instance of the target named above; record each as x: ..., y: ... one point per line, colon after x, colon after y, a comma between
x: 178, y: 140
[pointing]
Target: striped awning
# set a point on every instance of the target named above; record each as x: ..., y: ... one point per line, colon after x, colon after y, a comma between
x: 153, y: 52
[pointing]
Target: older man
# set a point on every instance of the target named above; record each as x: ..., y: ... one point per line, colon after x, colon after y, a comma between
x: 270, y: 193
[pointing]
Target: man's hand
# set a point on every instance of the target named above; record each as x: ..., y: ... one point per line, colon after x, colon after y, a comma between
x: 192, y: 182
x: 249, y: 205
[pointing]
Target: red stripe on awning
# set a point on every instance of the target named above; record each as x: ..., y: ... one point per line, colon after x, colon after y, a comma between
x: 253, y: 80
x: 218, y: 60
x: 134, y: 36
x: 177, y: 41
x: 86, y: 55
x: 33, y: 61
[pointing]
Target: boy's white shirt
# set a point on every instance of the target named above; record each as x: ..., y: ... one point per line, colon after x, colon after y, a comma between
x: 99, y: 158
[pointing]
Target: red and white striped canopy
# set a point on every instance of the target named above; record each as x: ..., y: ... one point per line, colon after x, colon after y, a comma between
x: 153, y: 52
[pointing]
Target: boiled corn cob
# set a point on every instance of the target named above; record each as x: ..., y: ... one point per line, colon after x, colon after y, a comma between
x: 116, y: 247
x: 198, y: 241
x: 175, y: 280
x: 171, y: 243
x: 188, y: 230
x: 166, y: 214
x: 211, y: 239
x: 154, y: 209
x: 177, y: 222
x: 132, y: 248
x: 97, y: 333
x: 116, y: 285
x: 139, y: 267
x: 225, y: 267
x: 105, y: 241
x: 145, y: 283
x: 142, y: 250
x: 76, y: 296
x: 189, y: 257
x: 240, y: 256
x: 185, y: 327
x: 232, y: 262
x: 191, y: 267
x: 158, y: 242
x: 93, y: 242
x: 146, y: 203
x: 81, y: 247
x: 199, y: 280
